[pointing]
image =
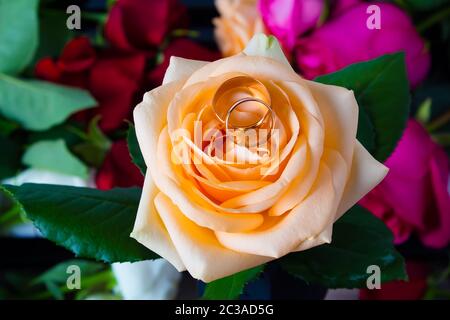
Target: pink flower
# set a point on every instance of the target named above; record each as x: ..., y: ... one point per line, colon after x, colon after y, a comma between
x: 340, y: 6
x: 346, y: 39
x: 414, y: 197
x: 287, y: 19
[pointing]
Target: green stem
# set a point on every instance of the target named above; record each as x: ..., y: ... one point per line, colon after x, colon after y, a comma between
x: 438, y: 122
x: 10, y: 218
x: 433, y: 19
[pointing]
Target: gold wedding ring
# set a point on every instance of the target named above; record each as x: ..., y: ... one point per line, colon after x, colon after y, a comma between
x: 240, y: 90
x: 255, y: 125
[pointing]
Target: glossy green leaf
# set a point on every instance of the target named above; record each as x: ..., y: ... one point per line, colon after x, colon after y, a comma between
x: 366, y: 132
x: 18, y: 34
x: 231, y: 287
x: 359, y: 241
x: 91, y: 223
x: 135, y: 151
x: 382, y: 91
x: 39, y: 105
x: 53, y: 155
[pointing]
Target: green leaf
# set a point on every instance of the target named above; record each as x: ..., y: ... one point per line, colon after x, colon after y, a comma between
x: 53, y: 155
x: 231, y: 287
x: 135, y: 151
x: 10, y: 157
x: 366, y: 132
x: 39, y: 105
x: 382, y: 91
x: 359, y: 240
x: 18, y: 34
x: 91, y: 223
x: 95, y: 145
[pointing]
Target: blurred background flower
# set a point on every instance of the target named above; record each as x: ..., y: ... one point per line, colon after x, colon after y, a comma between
x: 345, y: 39
x: 414, y: 196
x: 141, y: 25
x: 239, y: 21
x: 112, y: 77
x: 288, y: 19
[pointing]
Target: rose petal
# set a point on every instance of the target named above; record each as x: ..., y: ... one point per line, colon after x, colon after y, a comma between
x: 180, y: 68
x: 150, y: 231
x: 305, y: 221
x: 365, y: 174
x: 204, y: 257
x: 150, y: 117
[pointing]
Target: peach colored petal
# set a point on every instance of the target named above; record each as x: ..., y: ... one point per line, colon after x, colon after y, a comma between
x: 236, y: 25
x: 180, y: 68
x: 192, y: 202
x: 261, y: 68
x: 313, y: 133
x: 323, y: 237
x: 365, y: 174
x: 149, y: 229
x: 339, y: 111
x: 306, y: 220
x: 306, y: 223
x: 295, y: 163
x: 204, y: 257
x: 150, y: 119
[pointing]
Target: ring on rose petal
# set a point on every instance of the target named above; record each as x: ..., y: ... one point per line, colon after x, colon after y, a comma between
x: 240, y: 86
x: 255, y: 125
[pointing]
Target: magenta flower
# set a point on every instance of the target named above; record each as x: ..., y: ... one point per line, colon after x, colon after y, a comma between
x: 287, y: 19
x: 346, y: 39
x: 413, y: 198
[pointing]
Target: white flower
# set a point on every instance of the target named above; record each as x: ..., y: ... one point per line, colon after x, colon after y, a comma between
x: 147, y: 280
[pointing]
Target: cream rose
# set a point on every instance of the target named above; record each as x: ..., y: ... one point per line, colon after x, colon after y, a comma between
x: 215, y: 217
x: 239, y: 21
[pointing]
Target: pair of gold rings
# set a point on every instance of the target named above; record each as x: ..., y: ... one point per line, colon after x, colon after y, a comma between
x: 252, y: 85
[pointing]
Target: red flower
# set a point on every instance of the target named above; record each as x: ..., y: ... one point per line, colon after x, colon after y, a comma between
x: 118, y: 170
x: 112, y: 78
x: 180, y: 47
x: 414, y: 289
x: 143, y: 24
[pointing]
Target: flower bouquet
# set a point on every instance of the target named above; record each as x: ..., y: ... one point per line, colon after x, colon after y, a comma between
x: 294, y: 157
